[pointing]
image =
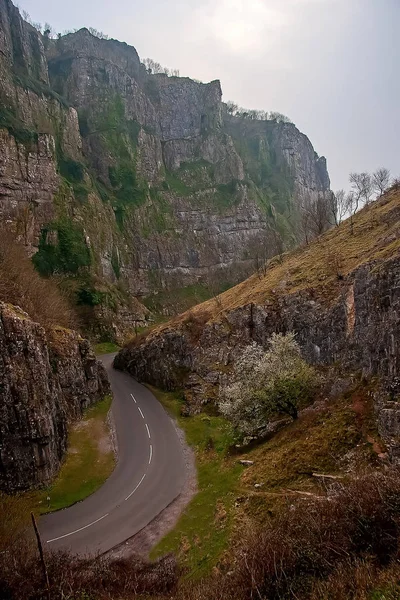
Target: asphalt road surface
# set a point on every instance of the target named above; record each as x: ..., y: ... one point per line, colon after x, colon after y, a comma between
x: 149, y: 475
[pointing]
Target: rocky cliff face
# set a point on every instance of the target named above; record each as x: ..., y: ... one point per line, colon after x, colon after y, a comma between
x: 47, y: 379
x: 341, y: 297
x: 145, y: 176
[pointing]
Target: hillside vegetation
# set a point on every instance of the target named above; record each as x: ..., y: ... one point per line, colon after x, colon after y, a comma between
x: 21, y: 285
x: 322, y: 265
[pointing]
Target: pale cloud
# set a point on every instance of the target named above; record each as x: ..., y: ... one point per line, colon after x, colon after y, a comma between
x: 242, y: 25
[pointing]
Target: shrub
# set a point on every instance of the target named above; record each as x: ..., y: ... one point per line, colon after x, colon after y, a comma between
x: 21, y: 285
x: 71, y: 577
x: 74, y: 173
x: 127, y: 188
x: 266, y: 384
x: 89, y: 296
x: 115, y: 263
x: 173, y: 183
x: 75, y: 578
x: 67, y: 252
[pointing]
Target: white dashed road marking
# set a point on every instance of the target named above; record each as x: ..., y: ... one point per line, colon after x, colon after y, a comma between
x: 77, y: 530
x: 133, y: 491
x: 127, y: 498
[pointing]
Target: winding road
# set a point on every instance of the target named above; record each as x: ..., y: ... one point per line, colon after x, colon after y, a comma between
x: 148, y: 476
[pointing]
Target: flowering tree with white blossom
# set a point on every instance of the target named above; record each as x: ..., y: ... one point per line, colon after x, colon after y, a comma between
x: 267, y: 383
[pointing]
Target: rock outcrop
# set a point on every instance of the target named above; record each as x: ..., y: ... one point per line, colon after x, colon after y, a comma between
x: 47, y: 380
x: 340, y: 295
x: 148, y: 172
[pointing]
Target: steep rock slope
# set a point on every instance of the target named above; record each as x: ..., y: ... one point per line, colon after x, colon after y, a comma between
x: 47, y: 379
x: 340, y: 295
x: 127, y: 182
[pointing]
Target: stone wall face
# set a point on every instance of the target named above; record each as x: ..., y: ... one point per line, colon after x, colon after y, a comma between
x: 201, y: 209
x: 47, y: 380
x: 359, y: 329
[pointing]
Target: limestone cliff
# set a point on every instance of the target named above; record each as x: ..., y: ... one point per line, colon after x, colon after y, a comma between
x: 340, y: 295
x: 143, y: 181
x: 47, y: 379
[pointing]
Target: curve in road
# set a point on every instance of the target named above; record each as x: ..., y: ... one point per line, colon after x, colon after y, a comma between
x: 149, y: 475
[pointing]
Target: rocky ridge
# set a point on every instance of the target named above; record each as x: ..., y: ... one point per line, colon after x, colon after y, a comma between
x: 145, y: 179
x: 47, y: 379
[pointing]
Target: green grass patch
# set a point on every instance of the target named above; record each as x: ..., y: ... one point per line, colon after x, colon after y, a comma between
x: 388, y: 592
x: 74, y: 172
x: 106, y: 348
x: 39, y: 88
x: 203, y: 530
x: 89, y: 462
x: 173, y: 183
x: 127, y: 188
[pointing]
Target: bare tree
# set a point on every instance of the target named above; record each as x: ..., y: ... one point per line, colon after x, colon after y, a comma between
x: 261, y: 252
x: 381, y: 181
x: 254, y: 114
x: 277, y: 244
x: 361, y: 184
x: 98, y: 34
x: 315, y: 216
x: 395, y: 184
x: 231, y: 107
x: 155, y: 68
x: 278, y: 117
x: 339, y: 206
x: 353, y: 200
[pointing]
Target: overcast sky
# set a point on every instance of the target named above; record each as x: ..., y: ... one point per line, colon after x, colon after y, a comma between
x: 331, y: 65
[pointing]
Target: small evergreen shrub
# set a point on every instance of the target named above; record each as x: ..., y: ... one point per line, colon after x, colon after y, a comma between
x: 127, y: 188
x: 69, y: 252
x: 90, y: 296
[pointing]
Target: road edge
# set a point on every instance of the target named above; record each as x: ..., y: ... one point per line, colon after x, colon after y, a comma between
x: 144, y: 540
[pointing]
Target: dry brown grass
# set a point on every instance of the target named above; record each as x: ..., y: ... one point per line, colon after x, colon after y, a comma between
x: 341, y: 547
x: 22, y: 286
x: 321, y: 266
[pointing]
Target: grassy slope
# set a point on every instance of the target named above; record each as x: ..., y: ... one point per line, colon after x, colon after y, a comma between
x: 89, y: 462
x: 203, y: 529
x: 336, y: 437
x: 314, y: 266
x: 106, y: 348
